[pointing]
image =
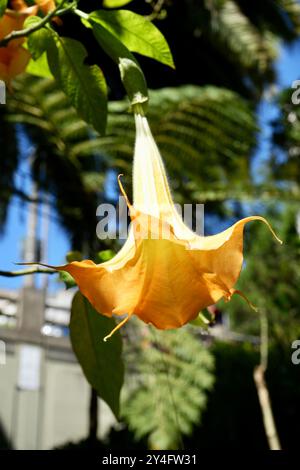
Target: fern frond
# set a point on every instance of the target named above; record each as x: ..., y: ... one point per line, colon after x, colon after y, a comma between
x: 175, y: 372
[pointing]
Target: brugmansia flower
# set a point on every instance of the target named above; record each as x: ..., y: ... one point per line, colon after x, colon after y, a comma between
x: 164, y: 274
x: 14, y: 58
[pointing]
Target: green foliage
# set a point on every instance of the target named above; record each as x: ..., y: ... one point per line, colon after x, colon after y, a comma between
x: 203, y: 320
x: 55, y: 131
x: 39, y: 67
x: 104, y: 255
x: 101, y: 362
x: 271, y: 279
x: 67, y: 279
x: 232, y: 418
x: 3, y: 5
x: 8, y: 164
x: 84, y: 85
x: 235, y: 33
x: 232, y: 43
x: 131, y: 74
x: 206, y: 136
x: 168, y: 392
x: 286, y: 137
x: 117, y: 32
x: 115, y: 3
x: 38, y: 41
x: 74, y: 256
x: 136, y: 33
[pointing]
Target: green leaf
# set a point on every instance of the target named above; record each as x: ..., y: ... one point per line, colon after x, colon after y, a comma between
x: 3, y: 5
x: 39, y: 40
x: 101, y: 362
x: 67, y: 279
x: 84, y: 85
x: 39, y: 67
x: 136, y: 33
x: 131, y: 73
x: 115, y: 3
x: 203, y: 320
x: 104, y: 255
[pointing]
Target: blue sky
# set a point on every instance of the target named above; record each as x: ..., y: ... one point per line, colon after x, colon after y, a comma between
x: 14, y: 233
x: 11, y: 241
x: 287, y: 71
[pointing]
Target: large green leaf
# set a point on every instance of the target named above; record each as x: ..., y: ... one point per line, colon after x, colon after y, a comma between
x: 39, y: 40
x: 3, y: 5
x: 131, y: 74
x: 84, y: 85
x: 101, y: 361
x: 115, y: 3
x: 136, y: 33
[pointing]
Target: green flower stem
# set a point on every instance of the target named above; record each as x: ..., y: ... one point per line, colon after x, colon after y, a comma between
x: 138, y: 109
x: 80, y: 13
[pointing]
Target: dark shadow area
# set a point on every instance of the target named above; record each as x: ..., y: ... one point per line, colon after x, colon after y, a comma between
x: 4, y: 440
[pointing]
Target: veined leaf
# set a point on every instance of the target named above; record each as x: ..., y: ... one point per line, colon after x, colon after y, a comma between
x: 136, y: 33
x: 115, y: 3
x: 101, y: 362
x: 131, y: 74
x: 84, y: 85
x: 39, y: 40
x: 3, y: 5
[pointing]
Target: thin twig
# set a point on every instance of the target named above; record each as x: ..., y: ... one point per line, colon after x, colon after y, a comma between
x: 156, y: 10
x: 25, y: 272
x: 262, y: 389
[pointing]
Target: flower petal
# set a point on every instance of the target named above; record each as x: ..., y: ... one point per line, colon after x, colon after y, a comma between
x: 13, y: 61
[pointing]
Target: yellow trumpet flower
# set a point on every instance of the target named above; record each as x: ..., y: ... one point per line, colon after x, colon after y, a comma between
x: 165, y: 274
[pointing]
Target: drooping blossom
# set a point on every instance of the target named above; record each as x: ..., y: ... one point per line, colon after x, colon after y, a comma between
x: 165, y: 274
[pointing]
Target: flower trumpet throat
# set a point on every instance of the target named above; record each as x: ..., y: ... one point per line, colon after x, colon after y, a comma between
x: 165, y: 274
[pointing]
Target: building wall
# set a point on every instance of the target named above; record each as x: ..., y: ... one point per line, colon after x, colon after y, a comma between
x: 54, y: 414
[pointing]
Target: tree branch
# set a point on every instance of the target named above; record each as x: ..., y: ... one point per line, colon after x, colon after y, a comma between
x: 25, y: 272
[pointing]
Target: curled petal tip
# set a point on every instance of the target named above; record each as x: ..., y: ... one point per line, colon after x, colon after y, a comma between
x: 271, y: 230
x: 119, y: 325
x: 241, y: 294
x: 123, y: 192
